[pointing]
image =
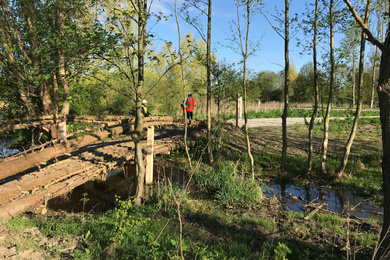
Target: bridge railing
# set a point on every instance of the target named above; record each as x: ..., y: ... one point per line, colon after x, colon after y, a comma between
x: 102, y: 122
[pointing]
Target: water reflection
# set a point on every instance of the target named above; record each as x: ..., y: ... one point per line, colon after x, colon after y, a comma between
x: 4, y: 150
x: 340, y: 201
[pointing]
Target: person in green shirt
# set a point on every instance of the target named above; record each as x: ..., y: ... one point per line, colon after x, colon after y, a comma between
x: 145, y: 108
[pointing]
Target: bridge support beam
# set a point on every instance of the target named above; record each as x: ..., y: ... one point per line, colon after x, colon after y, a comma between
x: 149, y: 155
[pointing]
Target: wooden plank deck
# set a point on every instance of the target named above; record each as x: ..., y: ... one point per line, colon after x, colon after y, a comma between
x: 54, y: 177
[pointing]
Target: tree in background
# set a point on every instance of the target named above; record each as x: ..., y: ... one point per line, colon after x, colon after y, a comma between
x: 348, y: 51
x: 265, y: 86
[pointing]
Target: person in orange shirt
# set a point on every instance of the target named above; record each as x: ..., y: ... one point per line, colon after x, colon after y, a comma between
x: 190, y: 105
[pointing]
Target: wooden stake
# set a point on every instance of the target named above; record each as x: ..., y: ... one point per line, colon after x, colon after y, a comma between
x: 149, y: 155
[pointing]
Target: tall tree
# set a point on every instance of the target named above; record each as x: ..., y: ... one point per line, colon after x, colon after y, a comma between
x: 325, y: 139
x: 383, y: 90
x: 241, y: 40
x: 184, y: 95
x: 38, y: 40
x: 205, y: 8
x: 347, y: 149
x: 286, y: 81
x: 379, y: 7
x: 142, y: 16
x: 123, y: 51
x: 315, y: 87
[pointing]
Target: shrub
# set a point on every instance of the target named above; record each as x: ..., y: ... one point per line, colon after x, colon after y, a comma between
x: 227, y: 187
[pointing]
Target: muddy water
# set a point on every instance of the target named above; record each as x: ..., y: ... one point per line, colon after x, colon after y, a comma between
x: 99, y: 196
x: 343, y: 202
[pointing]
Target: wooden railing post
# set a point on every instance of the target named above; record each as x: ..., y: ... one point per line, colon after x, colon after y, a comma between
x: 238, y: 109
x: 62, y: 131
x: 149, y: 155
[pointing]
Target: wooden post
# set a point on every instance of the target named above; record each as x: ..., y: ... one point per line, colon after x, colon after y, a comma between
x: 62, y: 131
x: 238, y: 109
x: 149, y: 155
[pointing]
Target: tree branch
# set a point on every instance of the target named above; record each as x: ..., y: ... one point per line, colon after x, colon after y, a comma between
x: 359, y: 20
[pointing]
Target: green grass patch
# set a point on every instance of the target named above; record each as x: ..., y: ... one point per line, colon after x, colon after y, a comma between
x: 328, y: 219
x: 254, y: 221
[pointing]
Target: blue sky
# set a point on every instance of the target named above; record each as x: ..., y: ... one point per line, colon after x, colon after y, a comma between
x: 270, y: 55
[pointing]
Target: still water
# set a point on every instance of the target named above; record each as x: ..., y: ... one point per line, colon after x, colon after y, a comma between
x: 4, y: 150
x: 339, y: 201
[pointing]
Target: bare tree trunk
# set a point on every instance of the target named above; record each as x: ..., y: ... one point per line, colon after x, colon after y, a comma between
x: 343, y: 164
x: 353, y: 76
x: 209, y: 148
x: 384, y: 105
x: 325, y: 140
x: 184, y: 88
x: 373, y: 79
x: 380, y: 36
x: 139, y: 119
x: 62, y: 71
x: 248, y: 143
x: 286, y: 82
x: 313, y: 116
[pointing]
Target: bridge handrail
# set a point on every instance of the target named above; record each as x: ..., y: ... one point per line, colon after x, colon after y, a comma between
x: 102, y: 125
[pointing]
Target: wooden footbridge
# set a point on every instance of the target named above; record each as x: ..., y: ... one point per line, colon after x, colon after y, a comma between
x: 29, y: 179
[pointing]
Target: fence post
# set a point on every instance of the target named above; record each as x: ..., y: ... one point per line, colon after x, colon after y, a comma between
x: 238, y: 109
x: 62, y: 131
x: 149, y: 155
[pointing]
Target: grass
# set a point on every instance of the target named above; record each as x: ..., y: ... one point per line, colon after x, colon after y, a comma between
x: 209, y: 232
x: 277, y: 113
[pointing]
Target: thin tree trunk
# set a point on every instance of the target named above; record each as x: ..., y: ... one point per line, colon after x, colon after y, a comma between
x: 286, y: 83
x: 343, y: 164
x: 139, y: 119
x: 325, y: 140
x: 209, y: 147
x: 315, y: 72
x: 183, y: 85
x: 353, y: 76
x: 248, y: 143
x: 373, y: 79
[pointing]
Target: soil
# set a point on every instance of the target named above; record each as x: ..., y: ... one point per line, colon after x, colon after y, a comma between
x: 25, y: 244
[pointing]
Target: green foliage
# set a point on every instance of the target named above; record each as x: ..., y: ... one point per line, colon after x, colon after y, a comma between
x: 227, y: 187
x: 328, y: 218
x: 256, y: 221
x: 21, y: 223
x: 124, y: 222
x: 282, y: 251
